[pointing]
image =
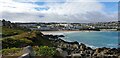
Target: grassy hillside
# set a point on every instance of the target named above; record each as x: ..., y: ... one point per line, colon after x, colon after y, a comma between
x: 15, y: 38
x: 13, y: 45
x: 10, y: 31
x: 19, y: 38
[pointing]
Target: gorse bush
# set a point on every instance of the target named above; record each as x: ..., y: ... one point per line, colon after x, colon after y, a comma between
x: 39, y: 51
x: 10, y: 32
x: 12, y: 51
x: 44, y: 51
x: 33, y: 38
x: 13, y: 42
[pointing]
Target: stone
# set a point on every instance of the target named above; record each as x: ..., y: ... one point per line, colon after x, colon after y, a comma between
x: 61, y: 52
x: 29, y: 50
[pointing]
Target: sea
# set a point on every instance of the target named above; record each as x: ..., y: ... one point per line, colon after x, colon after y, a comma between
x: 94, y: 39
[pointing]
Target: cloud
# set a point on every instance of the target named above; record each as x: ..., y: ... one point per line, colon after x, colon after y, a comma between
x: 22, y: 17
x: 73, y: 7
x: 67, y: 11
x: 67, y: 0
x: 12, y: 6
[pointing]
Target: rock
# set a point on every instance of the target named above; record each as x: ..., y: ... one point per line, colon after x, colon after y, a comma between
x: 62, y: 53
x: 89, y: 48
x: 82, y: 47
x: 61, y: 36
x: 119, y: 56
x: 98, y: 50
x: 75, y: 46
x: 76, y: 55
x: 29, y: 50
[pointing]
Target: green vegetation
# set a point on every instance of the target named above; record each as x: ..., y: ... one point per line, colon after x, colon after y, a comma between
x: 1, y: 29
x: 13, y: 42
x: 12, y: 51
x: 44, y: 51
x: 39, y: 51
x: 36, y: 37
x: 33, y: 38
x: 10, y: 32
x: 15, y: 38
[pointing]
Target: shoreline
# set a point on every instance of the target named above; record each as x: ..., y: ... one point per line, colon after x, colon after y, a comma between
x: 69, y: 31
x: 57, y: 32
x: 63, y: 32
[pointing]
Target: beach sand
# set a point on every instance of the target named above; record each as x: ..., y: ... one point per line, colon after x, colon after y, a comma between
x: 62, y: 32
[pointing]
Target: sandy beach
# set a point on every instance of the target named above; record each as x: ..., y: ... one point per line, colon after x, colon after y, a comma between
x: 62, y: 32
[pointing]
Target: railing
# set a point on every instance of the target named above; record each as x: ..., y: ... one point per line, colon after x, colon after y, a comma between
x: 27, y: 55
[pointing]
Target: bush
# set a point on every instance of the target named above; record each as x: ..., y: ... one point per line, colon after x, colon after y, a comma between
x: 12, y: 52
x: 13, y: 42
x: 44, y: 51
x: 36, y: 37
x: 10, y: 32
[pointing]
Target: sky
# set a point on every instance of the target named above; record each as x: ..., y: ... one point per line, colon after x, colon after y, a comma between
x: 72, y: 11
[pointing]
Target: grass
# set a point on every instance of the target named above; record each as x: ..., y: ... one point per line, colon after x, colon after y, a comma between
x: 1, y: 29
x: 44, y: 51
x: 10, y: 32
x: 14, y: 42
x: 12, y: 52
x: 33, y: 38
x: 15, y: 39
x: 38, y: 51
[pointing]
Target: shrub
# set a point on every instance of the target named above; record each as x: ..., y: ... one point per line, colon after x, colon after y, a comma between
x: 13, y: 42
x: 44, y: 51
x: 12, y: 52
x: 10, y: 32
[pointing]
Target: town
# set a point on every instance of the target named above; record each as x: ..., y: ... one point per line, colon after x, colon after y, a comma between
x: 99, y: 26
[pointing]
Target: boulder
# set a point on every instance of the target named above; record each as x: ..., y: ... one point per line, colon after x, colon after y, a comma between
x: 82, y: 47
x: 29, y: 50
x: 62, y: 53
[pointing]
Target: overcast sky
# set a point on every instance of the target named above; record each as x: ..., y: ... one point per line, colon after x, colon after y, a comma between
x: 77, y: 11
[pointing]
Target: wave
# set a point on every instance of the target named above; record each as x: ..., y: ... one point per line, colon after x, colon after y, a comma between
x: 91, y: 46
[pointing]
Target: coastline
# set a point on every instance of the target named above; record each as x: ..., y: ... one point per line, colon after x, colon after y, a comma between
x: 56, y: 32
x: 72, y: 32
x: 69, y: 31
x: 77, y: 49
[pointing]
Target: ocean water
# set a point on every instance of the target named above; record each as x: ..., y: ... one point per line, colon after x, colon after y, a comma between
x: 94, y: 39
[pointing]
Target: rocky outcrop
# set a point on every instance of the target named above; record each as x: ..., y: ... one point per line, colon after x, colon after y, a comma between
x: 74, y: 49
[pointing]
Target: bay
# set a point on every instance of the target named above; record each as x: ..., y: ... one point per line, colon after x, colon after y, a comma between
x: 92, y: 39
